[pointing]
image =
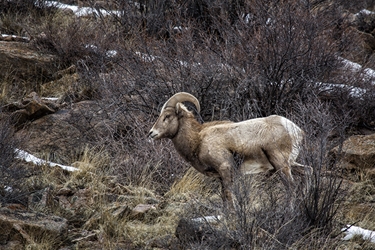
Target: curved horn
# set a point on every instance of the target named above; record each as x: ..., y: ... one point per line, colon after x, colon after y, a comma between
x: 182, y: 97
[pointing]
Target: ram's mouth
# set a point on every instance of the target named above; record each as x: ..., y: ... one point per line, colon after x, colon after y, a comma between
x: 152, y: 135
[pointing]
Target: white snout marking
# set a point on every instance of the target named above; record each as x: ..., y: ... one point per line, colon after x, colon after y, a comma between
x: 153, y: 134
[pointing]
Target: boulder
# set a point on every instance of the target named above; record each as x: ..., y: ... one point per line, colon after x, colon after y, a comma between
x: 29, y: 108
x: 12, y: 245
x: 190, y: 231
x: 52, y: 134
x: 140, y: 210
x: 357, y: 153
x: 25, y: 226
x: 66, y: 132
x: 41, y: 199
x: 77, y: 201
x: 24, y: 63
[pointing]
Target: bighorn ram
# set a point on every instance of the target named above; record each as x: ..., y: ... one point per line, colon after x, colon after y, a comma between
x: 270, y: 143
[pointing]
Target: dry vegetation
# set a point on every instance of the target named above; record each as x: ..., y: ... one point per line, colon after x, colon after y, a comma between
x: 241, y: 59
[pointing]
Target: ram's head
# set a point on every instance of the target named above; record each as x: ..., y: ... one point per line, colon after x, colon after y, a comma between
x: 167, y: 125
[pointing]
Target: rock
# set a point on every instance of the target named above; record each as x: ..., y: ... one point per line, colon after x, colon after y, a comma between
x: 78, y: 201
x: 164, y: 242
x: 140, y: 210
x: 41, y: 199
x: 12, y: 245
x: 358, y: 153
x: 24, y: 226
x: 115, y: 212
x: 189, y: 231
x: 77, y: 206
x: 52, y: 134
x: 30, y: 108
x: 361, y: 29
x: 24, y: 63
x: 365, y: 21
x: 65, y: 132
x: 65, y: 191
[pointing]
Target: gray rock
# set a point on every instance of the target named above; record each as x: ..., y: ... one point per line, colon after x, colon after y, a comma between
x: 24, y: 226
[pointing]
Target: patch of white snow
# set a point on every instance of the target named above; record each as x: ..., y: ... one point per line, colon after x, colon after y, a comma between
x: 351, y: 231
x: 21, y: 154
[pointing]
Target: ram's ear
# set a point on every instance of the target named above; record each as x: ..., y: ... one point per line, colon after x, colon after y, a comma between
x: 179, y: 109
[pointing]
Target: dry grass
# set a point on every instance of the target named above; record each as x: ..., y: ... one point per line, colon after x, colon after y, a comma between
x: 61, y: 87
x: 192, y: 185
x: 263, y: 208
x: 42, y: 242
x: 156, y: 224
x: 358, y: 208
x: 5, y: 88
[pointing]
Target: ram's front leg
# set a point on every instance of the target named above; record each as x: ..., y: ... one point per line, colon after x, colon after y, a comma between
x: 222, y: 161
x: 226, y: 178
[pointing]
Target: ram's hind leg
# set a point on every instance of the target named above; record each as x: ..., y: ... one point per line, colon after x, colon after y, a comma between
x: 280, y: 163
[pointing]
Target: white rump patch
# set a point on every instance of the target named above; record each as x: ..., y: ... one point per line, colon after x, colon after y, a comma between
x: 297, y: 136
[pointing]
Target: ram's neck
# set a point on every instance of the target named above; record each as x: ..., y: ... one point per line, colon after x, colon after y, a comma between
x: 187, y: 139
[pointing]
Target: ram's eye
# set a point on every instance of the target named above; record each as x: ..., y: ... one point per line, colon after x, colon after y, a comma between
x: 166, y: 117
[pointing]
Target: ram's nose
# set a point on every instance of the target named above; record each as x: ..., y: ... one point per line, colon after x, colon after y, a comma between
x: 151, y: 134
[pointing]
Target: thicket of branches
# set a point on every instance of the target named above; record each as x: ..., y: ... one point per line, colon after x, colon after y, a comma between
x: 241, y: 59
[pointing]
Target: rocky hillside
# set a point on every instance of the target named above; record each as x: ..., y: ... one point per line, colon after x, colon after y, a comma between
x: 82, y: 82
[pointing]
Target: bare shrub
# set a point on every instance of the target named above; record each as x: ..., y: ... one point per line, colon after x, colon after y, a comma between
x: 258, y: 67
x: 10, y: 173
x: 16, y: 14
x: 8, y: 143
x: 65, y: 37
x: 324, y: 192
x: 286, y: 52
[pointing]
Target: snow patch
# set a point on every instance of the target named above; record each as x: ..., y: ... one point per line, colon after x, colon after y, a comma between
x: 81, y: 11
x: 8, y: 189
x: 209, y: 219
x: 23, y: 155
x: 365, y: 12
x: 351, y: 231
x: 367, y: 73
